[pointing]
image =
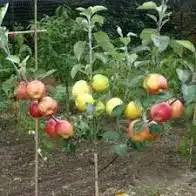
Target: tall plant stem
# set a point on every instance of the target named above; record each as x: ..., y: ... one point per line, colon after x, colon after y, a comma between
x: 36, y: 156
x: 90, y: 45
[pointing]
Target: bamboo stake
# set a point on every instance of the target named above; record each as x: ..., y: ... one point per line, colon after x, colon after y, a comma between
x: 36, y: 157
x: 26, y: 32
x: 96, y: 175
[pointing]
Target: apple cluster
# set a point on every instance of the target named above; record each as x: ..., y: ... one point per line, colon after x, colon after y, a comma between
x: 43, y: 106
x: 160, y: 113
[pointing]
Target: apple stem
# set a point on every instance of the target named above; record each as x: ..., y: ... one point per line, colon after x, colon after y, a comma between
x: 96, y: 174
x: 53, y: 117
x: 36, y: 156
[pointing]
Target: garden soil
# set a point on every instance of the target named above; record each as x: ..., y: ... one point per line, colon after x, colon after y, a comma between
x: 155, y: 171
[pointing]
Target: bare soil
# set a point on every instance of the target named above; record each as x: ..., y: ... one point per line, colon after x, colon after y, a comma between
x: 155, y: 171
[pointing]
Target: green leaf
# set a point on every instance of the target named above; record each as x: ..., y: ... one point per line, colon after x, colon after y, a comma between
x: 178, y: 49
x: 153, y: 17
x: 186, y: 44
x: 81, y: 9
x: 135, y: 81
x: 138, y: 126
x: 125, y: 40
x: 4, y: 39
x: 98, y: 19
x: 97, y: 8
x: 79, y: 48
x: 60, y: 92
x: 189, y: 93
x: 147, y: 6
x: 44, y: 75
x: 155, y: 128
x: 3, y: 11
x: 24, y: 62
x: 120, y: 149
x: 111, y: 136
x: 75, y: 69
x: 161, y: 42
x: 101, y: 56
x: 147, y: 33
x: 13, y: 59
x: 132, y: 58
x: 183, y: 75
x: 118, y: 111
x: 9, y: 85
x: 103, y: 41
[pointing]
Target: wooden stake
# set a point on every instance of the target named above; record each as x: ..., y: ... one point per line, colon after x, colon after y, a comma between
x: 26, y: 32
x: 36, y: 157
x: 96, y: 175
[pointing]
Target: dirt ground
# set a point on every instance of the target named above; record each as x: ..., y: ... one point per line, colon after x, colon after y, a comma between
x: 156, y: 171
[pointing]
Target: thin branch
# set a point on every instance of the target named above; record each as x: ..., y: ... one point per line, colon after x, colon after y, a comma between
x: 26, y: 32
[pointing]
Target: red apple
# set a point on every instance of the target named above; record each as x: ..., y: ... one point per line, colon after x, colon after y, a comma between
x: 21, y: 91
x: 161, y: 112
x: 50, y: 127
x: 33, y: 110
x: 155, y: 83
x: 64, y: 129
x: 47, y: 106
x: 36, y: 89
x: 177, y: 108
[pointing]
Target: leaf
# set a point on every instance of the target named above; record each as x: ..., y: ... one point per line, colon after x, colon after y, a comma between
x: 135, y: 81
x: 147, y: 6
x: 4, y: 39
x: 103, y: 41
x: 120, y: 149
x: 186, y: 44
x: 111, y: 136
x: 60, y: 92
x: 119, y: 31
x: 178, y: 49
x: 118, y: 111
x: 147, y: 33
x: 24, y: 62
x: 130, y: 34
x: 102, y: 57
x: 189, y: 93
x: 125, y: 40
x: 138, y: 126
x: 3, y: 11
x: 98, y: 19
x: 98, y: 8
x: 79, y: 48
x: 9, y: 84
x: 44, y: 75
x: 161, y: 42
x: 183, y: 75
x: 132, y: 58
x: 155, y: 128
x: 153, y: 17
x: 75, y: 69
x: 81, y: 9
x: 13, y: 59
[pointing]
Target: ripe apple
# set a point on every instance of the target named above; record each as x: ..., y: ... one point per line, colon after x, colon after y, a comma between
x: 21, y: 91
x: 83, y: 100
x: 64, y: 129
x: 142, y: 135
x: 112, y: 103
x: 80, y: 87
x: 50, y: 127
x: 100, y: 83
x: 155, y: 83
x: 133, y: 110
x: 33, y: 110
x: 177, y: 108
x: 47, y: 106
x: 36, y: 89
x: 161, y: 112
